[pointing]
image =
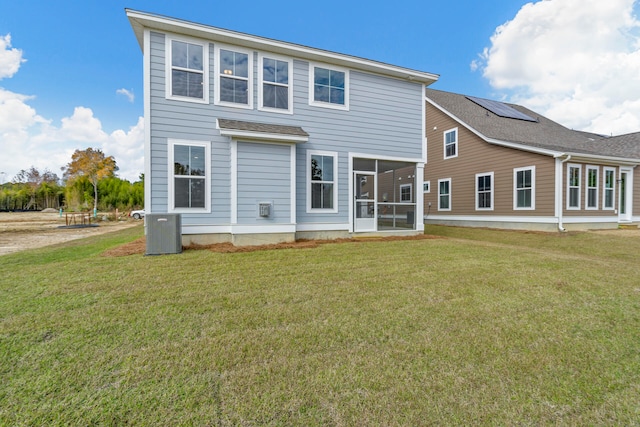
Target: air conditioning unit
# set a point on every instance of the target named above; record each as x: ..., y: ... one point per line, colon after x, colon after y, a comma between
x: 164, y: 234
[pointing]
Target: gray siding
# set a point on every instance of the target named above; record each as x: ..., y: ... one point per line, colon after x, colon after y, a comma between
x: 384, y: 120
x: 264, y: 175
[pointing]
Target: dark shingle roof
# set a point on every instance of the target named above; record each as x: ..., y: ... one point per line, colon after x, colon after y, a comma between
x: 261, y: 127
x: 542, y: 134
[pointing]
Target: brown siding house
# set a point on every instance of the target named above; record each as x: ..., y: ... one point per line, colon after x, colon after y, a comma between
x: 494, y: 164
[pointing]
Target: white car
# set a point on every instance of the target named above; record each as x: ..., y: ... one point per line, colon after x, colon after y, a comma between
x: 138, y: 214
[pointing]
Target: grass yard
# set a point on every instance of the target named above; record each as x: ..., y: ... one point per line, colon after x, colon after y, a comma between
x: 480, y: 327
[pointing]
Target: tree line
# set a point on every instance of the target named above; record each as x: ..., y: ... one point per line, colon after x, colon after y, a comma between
x: 88, y: 182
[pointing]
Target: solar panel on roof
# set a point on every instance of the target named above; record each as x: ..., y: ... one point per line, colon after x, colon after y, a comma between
x: 501, y: 109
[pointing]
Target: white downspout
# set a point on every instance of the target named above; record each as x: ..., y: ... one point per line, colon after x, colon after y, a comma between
x: 559, y: 174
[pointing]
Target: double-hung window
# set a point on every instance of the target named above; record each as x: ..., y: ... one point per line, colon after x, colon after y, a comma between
x: 451, y: 143
x: 444, y: 194
x: 608, y: 193
x: 524, y: 188
x: 484, y: 191
x: 187, y: 74
x: 189, y: 176
x: 275, y: 75
x: 322, y: 191
x: 328, y: 86
x: 234, y: 69
x: 406, y: 192
x: 592, y: 188
x: 574, y: 173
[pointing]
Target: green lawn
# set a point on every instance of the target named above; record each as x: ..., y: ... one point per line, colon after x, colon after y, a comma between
x: 478, y: 328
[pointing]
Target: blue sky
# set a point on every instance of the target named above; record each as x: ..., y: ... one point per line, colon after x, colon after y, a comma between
x: 78, y: 81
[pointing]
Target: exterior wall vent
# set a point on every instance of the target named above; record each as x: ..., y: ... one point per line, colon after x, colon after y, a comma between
x: 264, y: 209
x: 164, y: 234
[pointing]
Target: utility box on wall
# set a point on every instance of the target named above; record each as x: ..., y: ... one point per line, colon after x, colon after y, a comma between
x: 164, y: 234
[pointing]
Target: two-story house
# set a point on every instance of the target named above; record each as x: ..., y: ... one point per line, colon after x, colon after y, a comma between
x: 494, y: 164
x: 254, y: 140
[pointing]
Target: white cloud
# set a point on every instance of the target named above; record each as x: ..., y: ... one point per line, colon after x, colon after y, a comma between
x: 575, y: 61
x: 10, y: 58
x: 127, y: 93
x: 27, y: 139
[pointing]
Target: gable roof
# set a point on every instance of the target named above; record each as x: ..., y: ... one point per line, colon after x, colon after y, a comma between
x: 542, y: 135
x: 143, y: 20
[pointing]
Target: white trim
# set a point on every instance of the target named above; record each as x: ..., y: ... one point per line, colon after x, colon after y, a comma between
x: 169, y: 67
x: 424, y: 126
x: 568, y: 187
x: 323, y: 227
x: 148, y: 205
x: 428, y: 183
x: 292, y: 185
x: 419, y: 196
x: 262, y: 136
x: 313, y: 102
x: 139, y: 20
x: 526, y: 219
x: 218, y: 74
x: 604, y: 189
x: 171, y: 143
x: 289, y: 61
x: 440, y: 209
x: 628, y: 215
x: 533, y: 188
x: 586, y: 187
x: 456, y: 144
x: 233, y: 148
x: 308, y: 182
x: 492, y: 191
x: 371, y: 156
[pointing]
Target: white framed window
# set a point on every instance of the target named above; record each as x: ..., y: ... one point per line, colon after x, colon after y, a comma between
x: 328, y: 86
x: 189, y: 176
x: 592, y: 187
x: 444, y: 194
x: 609, y: 188
x: 451, y: 143
x: 426, y: 187
x: 484, y: 191
x: 406, y: 192
x: 187, y: 70
x: 574, y: 178
x: 524, y: 188
x: 275, y: 83
x: 322, y: 181
x: 234, y: 82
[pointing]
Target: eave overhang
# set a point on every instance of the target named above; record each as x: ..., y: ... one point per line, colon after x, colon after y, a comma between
x: 142, y: 20
x: 255, y: 131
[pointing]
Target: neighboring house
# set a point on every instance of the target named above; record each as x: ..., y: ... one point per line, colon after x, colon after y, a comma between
x: 255, y: 140
x: 501, y: 165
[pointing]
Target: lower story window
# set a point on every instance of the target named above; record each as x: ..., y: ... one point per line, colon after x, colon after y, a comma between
x: 484, y: 191
x: 322, y: 181
x: 524, y: 188
x: 444, y: 194
x: 190, y: 176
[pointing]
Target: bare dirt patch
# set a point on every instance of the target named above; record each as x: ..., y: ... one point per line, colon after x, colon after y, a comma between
x: 29, y: 230
x: 138, y: 246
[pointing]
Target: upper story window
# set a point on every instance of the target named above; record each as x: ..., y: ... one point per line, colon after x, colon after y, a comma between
x: 328, y: 87
x: 608, y: 193
x: 275, y: 76
x: 189, y: 176
x: 592, y: 187
x: 233, y: 75
x: 524, y: 188
x: 484, y: 191
x: 574, y: 173
x: 451, y: 143
x: 187, y: 74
